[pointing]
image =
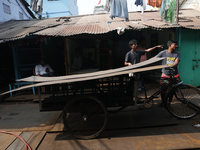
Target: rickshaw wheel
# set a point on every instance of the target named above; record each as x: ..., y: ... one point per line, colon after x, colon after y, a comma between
x: 85, y: 117
x: 183, y: 101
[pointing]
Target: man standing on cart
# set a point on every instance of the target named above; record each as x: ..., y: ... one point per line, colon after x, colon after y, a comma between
x: 134, y: 55
x: 172, y: 60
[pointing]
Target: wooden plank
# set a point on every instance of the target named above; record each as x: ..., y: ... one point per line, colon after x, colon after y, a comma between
x: 89, y: 78
x: 6, y: 139
x: 18, y: 144
x: 35, y: 139
x: 46, y: 79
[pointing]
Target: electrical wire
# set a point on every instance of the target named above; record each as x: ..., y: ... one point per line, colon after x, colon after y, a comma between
x: 26, y: 144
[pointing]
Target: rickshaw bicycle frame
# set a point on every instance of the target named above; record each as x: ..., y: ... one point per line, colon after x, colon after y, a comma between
x: 181, y: 100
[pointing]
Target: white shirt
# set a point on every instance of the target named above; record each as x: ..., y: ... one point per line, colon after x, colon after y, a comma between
x: 39, y: 69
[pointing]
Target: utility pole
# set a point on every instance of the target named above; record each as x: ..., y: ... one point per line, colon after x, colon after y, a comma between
x: 177, y: 11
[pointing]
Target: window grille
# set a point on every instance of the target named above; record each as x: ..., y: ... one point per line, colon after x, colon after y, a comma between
x: 21, y: 16
x: 6, y: 9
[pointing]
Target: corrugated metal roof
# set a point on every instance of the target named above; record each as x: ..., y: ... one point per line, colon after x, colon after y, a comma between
x: 158, y: 24
x: 16, y: 29
x: 102, y: 23
x: 90, y: 24
x: 191, y: 23
x: 134, y: 16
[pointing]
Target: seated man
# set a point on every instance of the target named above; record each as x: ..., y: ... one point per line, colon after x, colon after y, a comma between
x: 43, y: 69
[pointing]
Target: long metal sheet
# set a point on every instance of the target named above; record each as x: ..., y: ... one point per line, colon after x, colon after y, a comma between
x: 88, y: 78
x: 46, y: 79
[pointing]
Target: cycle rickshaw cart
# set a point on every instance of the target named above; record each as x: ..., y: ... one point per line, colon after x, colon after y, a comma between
x: 86, y: 100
